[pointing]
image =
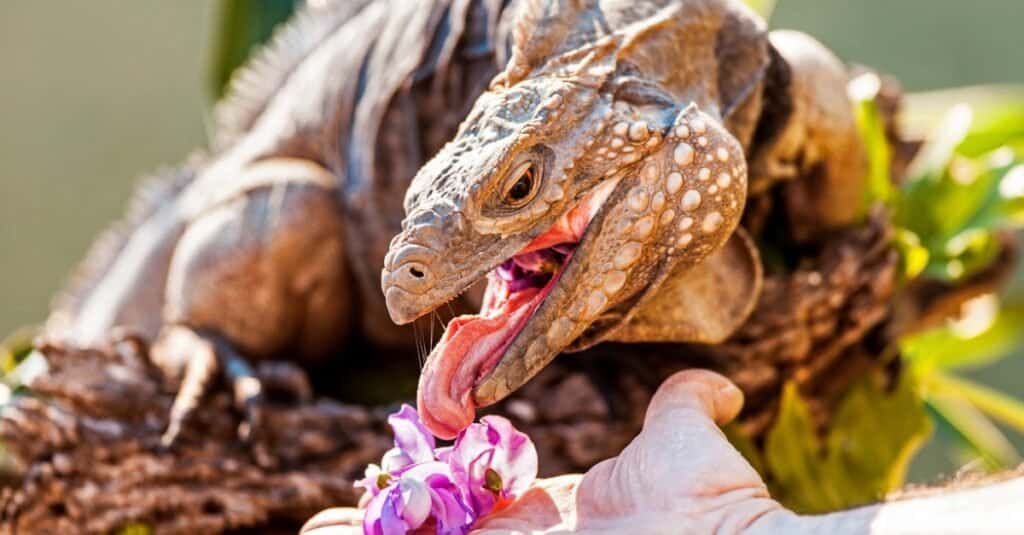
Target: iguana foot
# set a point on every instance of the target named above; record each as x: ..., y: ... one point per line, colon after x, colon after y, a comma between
x: 203, y: 356
x: 270, y: 381
x: 182, y: 349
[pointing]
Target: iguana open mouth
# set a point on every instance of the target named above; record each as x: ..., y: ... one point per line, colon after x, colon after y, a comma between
x: 473, y: 345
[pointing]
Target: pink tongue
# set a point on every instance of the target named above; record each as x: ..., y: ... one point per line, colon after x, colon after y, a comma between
x: 472, y: 345
x: 470, y: 348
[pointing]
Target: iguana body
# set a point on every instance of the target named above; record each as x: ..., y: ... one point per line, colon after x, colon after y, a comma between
x: 271, y: 246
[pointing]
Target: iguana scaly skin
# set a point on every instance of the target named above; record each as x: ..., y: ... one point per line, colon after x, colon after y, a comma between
x: 270, y: 245
x: 599, y: 185
x: 642, y: 128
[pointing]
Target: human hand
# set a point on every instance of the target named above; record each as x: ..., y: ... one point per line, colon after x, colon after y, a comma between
x: 680, y: 475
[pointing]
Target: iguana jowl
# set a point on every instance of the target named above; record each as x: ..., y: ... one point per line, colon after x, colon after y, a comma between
x: 598, y: 186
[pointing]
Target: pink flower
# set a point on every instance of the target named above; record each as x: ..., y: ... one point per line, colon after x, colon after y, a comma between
x: 412, y: 439
x: 418, y: 484
x: 374, y: 479
x: 413, y: 444
x: 493, y: 461
x: 400, y: 508
x: 422, y: 492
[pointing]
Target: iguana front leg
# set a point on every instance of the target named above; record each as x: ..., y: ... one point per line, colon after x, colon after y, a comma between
x: 810, y: 139
x: 265, y: 270
x: 201, y: 358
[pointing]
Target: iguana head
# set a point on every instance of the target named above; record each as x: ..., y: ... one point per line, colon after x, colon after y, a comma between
x: 587, y: 172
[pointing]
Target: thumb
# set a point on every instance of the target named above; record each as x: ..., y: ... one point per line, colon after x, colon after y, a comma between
x: 680, y: 453
x: 701, y: 390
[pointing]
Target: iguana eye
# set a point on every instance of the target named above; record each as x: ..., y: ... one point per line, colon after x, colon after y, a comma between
x: 522, y: 189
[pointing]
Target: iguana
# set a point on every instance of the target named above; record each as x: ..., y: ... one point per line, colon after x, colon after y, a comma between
x: 598, y: 184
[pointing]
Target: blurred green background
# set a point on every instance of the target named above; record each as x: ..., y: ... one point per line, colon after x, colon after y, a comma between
x: 92, y: 94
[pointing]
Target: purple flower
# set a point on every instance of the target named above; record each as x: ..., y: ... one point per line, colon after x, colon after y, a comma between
x: 411, y: 437
x: 424, y: 491
x: 413, y: 444
x: 400, y: 508
x: 493, y: 462
x: 374, y: 479
x: 419, y: 485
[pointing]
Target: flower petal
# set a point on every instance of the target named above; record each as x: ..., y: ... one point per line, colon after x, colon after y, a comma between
x: 493, y: 445
x: 447, y: 488
x: 443, y: 453
x: 415, y: 502
x: 516, y: 457
x: 447, y: 505
x: 394, y: 460
x: 411, y: 436
x: 371, y: 518
x: 370, y: 478
x: 391, y: 522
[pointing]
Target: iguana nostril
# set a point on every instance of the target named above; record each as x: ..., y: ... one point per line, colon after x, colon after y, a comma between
x: 416, y: 273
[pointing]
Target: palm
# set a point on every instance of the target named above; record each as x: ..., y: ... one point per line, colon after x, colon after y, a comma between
x: 679, y: 475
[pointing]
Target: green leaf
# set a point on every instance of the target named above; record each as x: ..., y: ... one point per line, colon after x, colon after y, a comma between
x: 875, y: 434
x: 243, y: 25
x: 865, y: 452
x: 960, y: 450
x: 998, y: 115
x: 864, y: 91
x: 764, y: 7
x: 950, y: 204
x: 914, y: 256
x: 136, y: 529
x: 1003, y: 202
x: 933, y: 203
x: 964, y: 255
x: 950, y: 348
x: 792, y: 455
x: 973, y: 429
x: 968, y: 179
x: 955, y: 212
x: 935, y: 156
x: 745, y: 445
x: 15, y: 347
x: 996, y: 404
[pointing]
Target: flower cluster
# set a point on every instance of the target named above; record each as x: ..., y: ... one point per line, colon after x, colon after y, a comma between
x: 418, y: 485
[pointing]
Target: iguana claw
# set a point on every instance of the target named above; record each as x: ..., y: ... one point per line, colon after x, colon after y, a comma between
x: 206, y: 356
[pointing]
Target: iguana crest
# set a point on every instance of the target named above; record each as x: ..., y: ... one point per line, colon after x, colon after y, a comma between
x: 254, y: 86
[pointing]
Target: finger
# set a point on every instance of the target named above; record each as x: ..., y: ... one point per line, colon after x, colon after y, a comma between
x: 680, y: 455
x: 705, y: 391
x: 336, y: 521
